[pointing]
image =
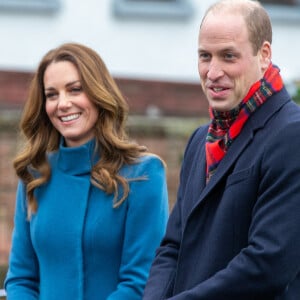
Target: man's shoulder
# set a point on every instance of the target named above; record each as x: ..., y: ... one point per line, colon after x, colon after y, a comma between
x: 199, y: 134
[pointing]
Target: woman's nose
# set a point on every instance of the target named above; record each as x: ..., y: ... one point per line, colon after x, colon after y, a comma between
x: 64, y: 102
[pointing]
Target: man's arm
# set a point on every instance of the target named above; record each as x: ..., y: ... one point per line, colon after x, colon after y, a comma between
x: 267, y: 267
x: 162, y: 273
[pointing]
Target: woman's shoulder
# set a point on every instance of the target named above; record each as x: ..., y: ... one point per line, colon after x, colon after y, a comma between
x: 151, y: 159
x: 145, y: 164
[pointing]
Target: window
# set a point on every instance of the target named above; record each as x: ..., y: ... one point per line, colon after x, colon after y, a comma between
x: 286, y: 10
x: 281, y: 2
x: 176, y: 9
x: 47, y: 6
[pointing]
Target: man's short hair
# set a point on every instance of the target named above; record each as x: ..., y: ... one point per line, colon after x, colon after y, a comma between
x: 256, y: 18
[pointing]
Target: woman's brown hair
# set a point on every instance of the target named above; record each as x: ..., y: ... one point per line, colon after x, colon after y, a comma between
x: 41, y: 136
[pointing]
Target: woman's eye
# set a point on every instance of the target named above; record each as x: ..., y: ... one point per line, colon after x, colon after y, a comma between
x: 50, y: 95
x: 77, y: 89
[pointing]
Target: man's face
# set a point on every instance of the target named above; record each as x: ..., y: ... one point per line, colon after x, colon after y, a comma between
x: 226, y: 63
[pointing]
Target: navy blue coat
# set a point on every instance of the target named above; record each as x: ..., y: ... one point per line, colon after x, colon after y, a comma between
x: 238, y: 237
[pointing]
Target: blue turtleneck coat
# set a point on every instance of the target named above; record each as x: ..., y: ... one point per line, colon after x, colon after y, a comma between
x: 77, y: 246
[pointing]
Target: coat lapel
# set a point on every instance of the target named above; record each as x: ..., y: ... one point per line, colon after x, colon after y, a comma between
x: 196, y: 168
x: 229, y: 159
x: 256, y: 121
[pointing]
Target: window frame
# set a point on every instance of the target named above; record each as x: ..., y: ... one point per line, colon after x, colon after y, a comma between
x: 44, y: 6
x: 283, y: 13
x: 153, y: 9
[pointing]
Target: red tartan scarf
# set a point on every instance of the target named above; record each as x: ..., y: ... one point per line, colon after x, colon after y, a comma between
x: 226, y: 126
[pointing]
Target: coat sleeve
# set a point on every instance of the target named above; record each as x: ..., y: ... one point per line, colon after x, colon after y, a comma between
x: 145, y: 226
x: 268, y: 265
x: 162, y: 274
x: 22, y: 280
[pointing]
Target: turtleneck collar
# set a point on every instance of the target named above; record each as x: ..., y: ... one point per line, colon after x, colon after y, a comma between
x: 77, y: 160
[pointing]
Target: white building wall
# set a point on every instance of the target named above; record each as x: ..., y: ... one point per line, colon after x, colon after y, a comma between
x: 147, y: 49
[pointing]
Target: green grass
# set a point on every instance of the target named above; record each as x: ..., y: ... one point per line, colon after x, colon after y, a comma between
x: 297, y: 96
x: 3, y: 270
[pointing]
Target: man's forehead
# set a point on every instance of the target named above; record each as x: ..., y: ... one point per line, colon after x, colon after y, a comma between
x: 230, y: 26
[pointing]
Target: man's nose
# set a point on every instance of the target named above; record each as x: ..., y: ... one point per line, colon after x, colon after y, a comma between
x: 215, y: 71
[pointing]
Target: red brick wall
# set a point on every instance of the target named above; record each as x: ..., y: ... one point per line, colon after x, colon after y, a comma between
x: 8, y: 183
x: 171, y: 98
x: 13, y: 88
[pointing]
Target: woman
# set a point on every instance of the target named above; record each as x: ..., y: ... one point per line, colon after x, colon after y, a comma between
x: 91, y: 205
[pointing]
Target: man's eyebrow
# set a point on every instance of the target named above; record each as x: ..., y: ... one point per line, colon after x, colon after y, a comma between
x: 228, y: 49
x: 221, y: 50
x: 201, y: 50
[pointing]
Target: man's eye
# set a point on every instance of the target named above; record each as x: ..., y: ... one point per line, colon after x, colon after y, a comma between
x: 204, y: 56
x: 229, y: 56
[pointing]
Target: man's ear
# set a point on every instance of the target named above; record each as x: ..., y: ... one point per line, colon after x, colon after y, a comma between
x: 265, y: 55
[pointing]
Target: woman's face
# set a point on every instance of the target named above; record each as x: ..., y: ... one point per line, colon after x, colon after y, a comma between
x: 67, y: 105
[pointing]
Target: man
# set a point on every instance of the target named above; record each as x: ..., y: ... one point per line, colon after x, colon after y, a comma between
x: 234, y: 232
